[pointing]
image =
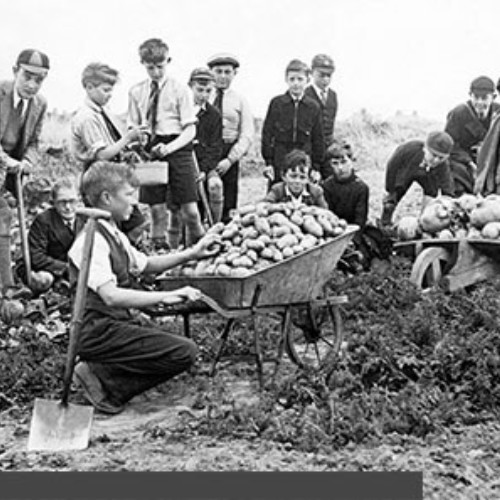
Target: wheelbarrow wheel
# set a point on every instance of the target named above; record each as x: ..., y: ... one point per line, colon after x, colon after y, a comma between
x: 430, y: 267
x: 316, y: 351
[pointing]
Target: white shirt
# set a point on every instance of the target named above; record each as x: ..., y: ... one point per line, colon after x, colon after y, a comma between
x: 26, y: 102
x: 100, y: 272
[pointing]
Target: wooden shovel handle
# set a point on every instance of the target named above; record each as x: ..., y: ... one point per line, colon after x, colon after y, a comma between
x: 79, y: 303
x: 93, y: 213
x: 22, y: 228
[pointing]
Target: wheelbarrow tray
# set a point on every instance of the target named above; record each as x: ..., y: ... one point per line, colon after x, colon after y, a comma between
x: 297, y: 279
x: 488, y: 247
x: 412, y: 248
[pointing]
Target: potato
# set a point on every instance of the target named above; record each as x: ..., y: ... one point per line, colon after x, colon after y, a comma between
x: 287, y: 252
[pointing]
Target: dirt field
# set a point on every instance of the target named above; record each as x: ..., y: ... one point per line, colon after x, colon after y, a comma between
x: 198, y: 423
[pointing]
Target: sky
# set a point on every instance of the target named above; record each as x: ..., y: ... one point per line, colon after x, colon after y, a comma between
x: 390, y: 55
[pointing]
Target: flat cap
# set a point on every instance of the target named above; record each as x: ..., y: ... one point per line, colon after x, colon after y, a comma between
x: 223, y: 58
x: 482, y: 84
x: 33, y: 60
x: 201, y: 75
x: 440, y: 142
x: 323, y: 61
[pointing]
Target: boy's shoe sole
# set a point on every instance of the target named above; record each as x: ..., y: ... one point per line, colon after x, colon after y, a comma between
x: 93, y: 390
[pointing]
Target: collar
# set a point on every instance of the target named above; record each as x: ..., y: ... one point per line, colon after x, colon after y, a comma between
x: 161, y: 83
x: 94, y: 106
x: 318, y: 90
x: 304, y: 193
x: 200, y: 109
x: 294, y: 99
x: 17, y: 98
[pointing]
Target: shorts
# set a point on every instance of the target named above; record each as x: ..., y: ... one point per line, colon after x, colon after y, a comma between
x: 182, y: 175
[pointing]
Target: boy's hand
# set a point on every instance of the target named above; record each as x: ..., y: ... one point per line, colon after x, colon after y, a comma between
x: 136, y: 134
x: 180, y: 295
x: 315, y: 176
x: 223, y: 166
x: 209, y: 245
x: 269, y: 172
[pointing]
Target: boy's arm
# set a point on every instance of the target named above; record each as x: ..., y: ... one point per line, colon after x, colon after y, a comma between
x: 31, y: 154
x: 318, y: 142
x: 267, y: 141
x: 185, y: 137
x: 361, y: 207
x: 245, y: 137
x: 214, y: 146
x: 134, y: 115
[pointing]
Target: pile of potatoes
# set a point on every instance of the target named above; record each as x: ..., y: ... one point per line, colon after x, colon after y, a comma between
x: 264, y: 234
x: 468, y: 216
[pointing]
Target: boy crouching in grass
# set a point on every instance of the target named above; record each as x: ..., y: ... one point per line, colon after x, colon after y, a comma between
x: 120, y: 356
x: 295, y: 186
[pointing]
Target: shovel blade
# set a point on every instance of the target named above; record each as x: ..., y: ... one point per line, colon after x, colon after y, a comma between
x: 58, y: 427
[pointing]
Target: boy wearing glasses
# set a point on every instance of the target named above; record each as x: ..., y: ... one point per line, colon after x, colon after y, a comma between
x: 295, y: 186
x: 418, y: 161
x: 50, y: 237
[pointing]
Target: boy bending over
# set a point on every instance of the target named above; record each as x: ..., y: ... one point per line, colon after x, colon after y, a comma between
x: 120, y: 356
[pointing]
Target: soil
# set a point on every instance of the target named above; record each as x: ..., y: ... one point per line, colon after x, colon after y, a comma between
x: 162, y: 431
x: 158, y: 432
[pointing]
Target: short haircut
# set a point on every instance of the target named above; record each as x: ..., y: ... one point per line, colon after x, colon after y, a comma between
x: 296, y: 159
x: 153, y: 50
x: 297, y: 65
x: 62, y: 183
x: 106, y: 176
x: 97, y: 73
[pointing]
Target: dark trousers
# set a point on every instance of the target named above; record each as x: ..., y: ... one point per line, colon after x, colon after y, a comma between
x: 230, y: 183
x: 130, y: 356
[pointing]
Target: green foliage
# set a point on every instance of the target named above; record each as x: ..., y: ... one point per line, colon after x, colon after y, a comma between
x: 415, y: 364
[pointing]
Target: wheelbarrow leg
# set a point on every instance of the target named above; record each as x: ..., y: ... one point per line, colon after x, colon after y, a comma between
x: 187, y: 325
x: 222, y: 344
x: 258, y: 352
x: 285, y: 325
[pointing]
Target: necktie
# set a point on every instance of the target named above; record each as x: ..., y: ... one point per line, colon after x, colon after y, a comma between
x: 323, y: 96
x: 19, y: 111
x: 113, y: 131
x: 218, y: 100
x: 151, y: 114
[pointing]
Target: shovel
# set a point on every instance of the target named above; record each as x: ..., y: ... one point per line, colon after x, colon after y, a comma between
x: 203, y: 195
x: 22, y: 228
x: 59, y: 425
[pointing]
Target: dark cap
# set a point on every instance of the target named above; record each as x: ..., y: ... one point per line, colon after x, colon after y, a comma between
x: 440, y: 142
x: 33, y: 60
x: 202, y: 75
x: 324, y: 62
x: 482, y: 85
x: 297, y: 65
x: 223, y: 58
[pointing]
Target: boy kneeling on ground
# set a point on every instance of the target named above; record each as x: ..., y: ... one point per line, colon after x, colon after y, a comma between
x: 120, y: 355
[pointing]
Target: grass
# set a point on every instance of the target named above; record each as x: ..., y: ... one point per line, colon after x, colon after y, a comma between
x: 373, y: 140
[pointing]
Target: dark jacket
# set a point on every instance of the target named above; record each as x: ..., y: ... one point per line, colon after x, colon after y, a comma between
x: 49, y: 240
x: 488, y: 162
x: 348, y: 198
x: 328, y: 111
x: 403, y: 168
x: 467, y: 131
x: 208, y: 141
x: 288, y: 126
x: 312, y: 196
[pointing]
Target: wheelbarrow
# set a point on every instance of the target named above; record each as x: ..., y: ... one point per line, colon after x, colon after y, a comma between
x: 451, y: 264
x: 297, y: 282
